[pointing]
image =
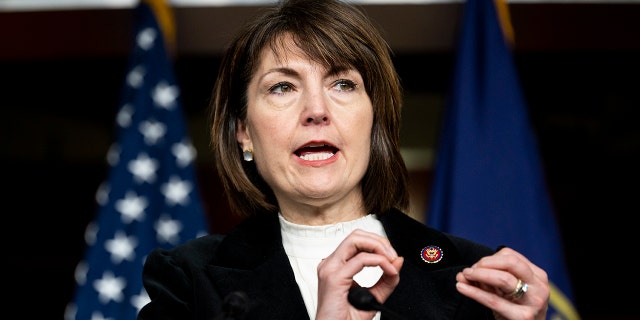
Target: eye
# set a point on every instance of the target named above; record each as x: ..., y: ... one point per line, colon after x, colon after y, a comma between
x: 345, y: 85
x: 281, y: 88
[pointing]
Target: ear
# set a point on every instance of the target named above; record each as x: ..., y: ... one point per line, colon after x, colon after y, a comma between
x: 243, y: 136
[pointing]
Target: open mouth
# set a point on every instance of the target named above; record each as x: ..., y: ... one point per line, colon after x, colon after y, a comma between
x: 316, y: 152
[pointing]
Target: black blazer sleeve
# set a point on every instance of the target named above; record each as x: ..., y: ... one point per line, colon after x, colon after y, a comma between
x: 177, y: 283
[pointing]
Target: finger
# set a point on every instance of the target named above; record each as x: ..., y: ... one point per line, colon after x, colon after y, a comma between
x: 501, y: 272
x: 347, y: 269
x: 495, y: 281
x: 496, y: 303
x: 359, y: 240
x: 517, y: 264
x: 366, y: 259
x: 472, y: 277
x: 388, y: 282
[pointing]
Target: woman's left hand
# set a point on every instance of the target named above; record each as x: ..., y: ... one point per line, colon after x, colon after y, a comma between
x: 335, y: 274
x: 493, y: 280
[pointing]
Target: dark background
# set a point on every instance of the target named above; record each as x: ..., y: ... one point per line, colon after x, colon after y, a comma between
x: 62, y: 71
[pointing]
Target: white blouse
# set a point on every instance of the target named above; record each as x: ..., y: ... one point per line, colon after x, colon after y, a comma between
x: 306, y: 246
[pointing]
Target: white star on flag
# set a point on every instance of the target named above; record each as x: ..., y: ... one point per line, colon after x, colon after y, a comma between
x: 135, y: 77
x: 121, y: 247
x: 131, y: 207
x: 123, y: 118
x: 146, y: 38
x: 143, y: 168
x: 177, y: 191
x: 165, y: 95
x: 140, y: 300
x: 153, y: 131
x: 168, y: 229
x: 110, y: 287
x: 184, y: 152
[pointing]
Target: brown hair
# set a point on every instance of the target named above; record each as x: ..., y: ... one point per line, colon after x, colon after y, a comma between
x: 333, y: 33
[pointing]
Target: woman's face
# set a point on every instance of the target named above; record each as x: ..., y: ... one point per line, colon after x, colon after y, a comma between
x: 309, y: 128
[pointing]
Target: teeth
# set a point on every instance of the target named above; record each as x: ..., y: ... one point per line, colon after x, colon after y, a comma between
x: 316, y: 156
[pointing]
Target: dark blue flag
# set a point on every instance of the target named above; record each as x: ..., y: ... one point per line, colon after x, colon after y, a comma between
x: 489, y: 181
x: 150, y: 198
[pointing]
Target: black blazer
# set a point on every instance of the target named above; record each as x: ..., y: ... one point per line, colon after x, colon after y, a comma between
x: 191, y: 280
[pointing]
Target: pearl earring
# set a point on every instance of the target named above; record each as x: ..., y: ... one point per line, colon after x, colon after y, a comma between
x: 247, y: 155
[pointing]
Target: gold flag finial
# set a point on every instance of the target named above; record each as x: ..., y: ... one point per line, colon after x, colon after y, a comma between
x: 504, y: 18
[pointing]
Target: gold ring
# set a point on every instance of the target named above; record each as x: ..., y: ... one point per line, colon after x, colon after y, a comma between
x: 520, y: 290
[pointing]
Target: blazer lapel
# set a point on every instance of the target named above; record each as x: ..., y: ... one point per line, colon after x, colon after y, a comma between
x: 252, y: 260
x: 426, y: 289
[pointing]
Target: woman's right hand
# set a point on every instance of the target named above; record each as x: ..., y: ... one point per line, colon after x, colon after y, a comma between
x: 335, y: 274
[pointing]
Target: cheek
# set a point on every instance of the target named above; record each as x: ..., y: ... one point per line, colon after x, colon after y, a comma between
x: 363, y: 124
x: 270, y: 135
x: 365, y: 128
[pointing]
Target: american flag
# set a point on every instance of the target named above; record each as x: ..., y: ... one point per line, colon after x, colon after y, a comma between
x: 150, y: 198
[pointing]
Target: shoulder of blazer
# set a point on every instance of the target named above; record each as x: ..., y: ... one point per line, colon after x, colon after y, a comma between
x: 412, y: 238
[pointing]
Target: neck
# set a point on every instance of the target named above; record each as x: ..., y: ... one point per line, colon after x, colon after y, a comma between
x: 318, y: 216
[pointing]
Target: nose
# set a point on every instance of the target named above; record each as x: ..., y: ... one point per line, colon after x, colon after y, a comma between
x: 315, y: 110
x: 317, y: 119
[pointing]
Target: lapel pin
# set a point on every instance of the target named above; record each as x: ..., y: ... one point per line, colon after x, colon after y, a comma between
x: 431, y: 254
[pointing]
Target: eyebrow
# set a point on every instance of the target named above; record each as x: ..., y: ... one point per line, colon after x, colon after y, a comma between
x: 334, y: 71
x: 283, y: 70
x: 287, y: 71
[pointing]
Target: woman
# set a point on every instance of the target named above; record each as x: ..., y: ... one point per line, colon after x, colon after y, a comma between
x: 305, y: 129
